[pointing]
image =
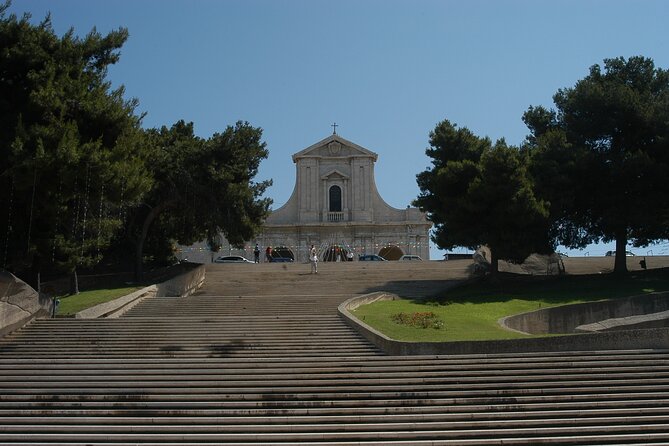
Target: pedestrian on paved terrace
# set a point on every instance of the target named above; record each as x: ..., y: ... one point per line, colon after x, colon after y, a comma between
x: 268, y: 254
x: 256, y: 253
x: 313, y: 258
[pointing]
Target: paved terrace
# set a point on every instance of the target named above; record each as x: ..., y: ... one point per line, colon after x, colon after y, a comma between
x: 259, y: 356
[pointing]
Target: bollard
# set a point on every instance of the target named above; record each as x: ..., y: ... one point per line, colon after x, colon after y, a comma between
x: 54, y: 307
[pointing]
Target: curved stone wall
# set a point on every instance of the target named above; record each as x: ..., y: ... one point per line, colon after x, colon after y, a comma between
x: 657, y: 338
x: 565, y: 319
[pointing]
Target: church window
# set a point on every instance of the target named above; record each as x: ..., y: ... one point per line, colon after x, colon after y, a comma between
x: 335, y: 199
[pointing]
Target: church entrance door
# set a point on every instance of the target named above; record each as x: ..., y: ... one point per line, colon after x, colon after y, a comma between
x: 282, y: 253
x: 335, y: 253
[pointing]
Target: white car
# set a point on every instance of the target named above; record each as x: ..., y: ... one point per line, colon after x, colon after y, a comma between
x: 232, y: 259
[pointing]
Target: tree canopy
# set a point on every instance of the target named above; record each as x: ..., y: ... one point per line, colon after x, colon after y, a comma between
x: 70, y: 145
x: 602, y: 159
x: 479, y: 193
x: 80, y: 175
x: 207, y: 185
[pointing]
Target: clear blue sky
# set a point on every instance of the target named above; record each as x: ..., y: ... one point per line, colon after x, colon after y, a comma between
x: 387, y: 71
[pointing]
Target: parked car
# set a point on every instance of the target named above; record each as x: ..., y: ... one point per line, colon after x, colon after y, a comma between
x: 409, y: 257
x: 232, y: 259
x: 280, y: 259
x: 371, y: 258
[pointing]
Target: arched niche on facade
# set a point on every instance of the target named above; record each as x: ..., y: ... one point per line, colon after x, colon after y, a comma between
x: 391, y: 252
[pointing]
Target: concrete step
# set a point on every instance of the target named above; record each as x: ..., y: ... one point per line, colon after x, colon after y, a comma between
x: 17, y: 374
x: 592, y: 434
x: 296, y: 335
x: 630, y: 439
x: 217, y: 407
x: 224, y: 429
x: 265, y: 371
x: 334, y: 278
x: 208, y: 305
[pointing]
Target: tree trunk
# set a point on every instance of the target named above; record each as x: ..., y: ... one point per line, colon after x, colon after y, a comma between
x: 494, y: 265
x: 139, y: 248
x: 139, y: 252
x: 74, y: 283
x: 620, y: 266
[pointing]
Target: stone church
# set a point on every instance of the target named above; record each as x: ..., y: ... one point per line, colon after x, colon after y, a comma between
x: 336, y: 206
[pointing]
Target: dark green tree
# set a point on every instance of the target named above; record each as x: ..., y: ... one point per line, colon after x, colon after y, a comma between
x: 556, y: 168
x: 70, y: 146
x: 610, y: 139
x: 478, y: 193
x: 202, y: 188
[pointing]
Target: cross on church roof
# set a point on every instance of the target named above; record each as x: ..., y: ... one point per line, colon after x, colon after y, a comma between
x: 334, y: 128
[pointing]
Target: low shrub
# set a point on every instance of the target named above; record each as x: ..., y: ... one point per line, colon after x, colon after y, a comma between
x: 424, y: 319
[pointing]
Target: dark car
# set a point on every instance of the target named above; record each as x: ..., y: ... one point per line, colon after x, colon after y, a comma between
x: 371, y: 258
x: 232, y: 259
x: 280, y: 259
x: 407, y: 258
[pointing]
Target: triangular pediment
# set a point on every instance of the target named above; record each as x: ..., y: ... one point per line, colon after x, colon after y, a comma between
x: 334, y: 146
x: 335, y: 174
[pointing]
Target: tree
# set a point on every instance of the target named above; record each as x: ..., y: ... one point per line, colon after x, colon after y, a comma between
x: 614, y: 124
x: 478, y: 193
x: 71, y: 146
x: 556, y: 168
x: 207, y: 186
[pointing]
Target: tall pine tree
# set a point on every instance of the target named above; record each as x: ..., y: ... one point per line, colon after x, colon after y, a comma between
x: 602, y: 159
x: 71, y: 146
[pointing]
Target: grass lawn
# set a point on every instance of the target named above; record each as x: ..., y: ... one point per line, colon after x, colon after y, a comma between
x: 69, y: 305
x: 471, y: 312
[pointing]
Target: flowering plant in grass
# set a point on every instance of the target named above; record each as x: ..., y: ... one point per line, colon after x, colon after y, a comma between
x: 423, y: 319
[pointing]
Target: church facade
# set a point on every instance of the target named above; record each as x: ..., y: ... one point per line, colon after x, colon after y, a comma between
x: 336, y: 206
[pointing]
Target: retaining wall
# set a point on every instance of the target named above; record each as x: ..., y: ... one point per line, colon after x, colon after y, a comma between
x: 20, y: 303
x: 180, y: 286
x: 656, y: 338
x: 566, y: 318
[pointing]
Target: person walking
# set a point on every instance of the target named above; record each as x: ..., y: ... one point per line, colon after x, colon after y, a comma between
x: 256, y: 253
x: 313, y: 258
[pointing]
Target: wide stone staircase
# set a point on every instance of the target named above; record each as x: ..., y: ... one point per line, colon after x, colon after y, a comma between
x: 237, y: 365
